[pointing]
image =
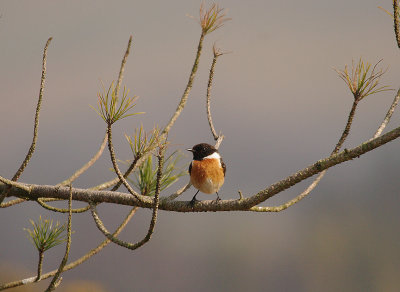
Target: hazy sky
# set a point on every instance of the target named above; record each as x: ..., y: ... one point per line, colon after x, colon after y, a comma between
x: 277, y: 100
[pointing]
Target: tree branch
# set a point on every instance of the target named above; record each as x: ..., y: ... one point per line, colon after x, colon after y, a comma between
x: 116, y: 168
x: 189, y: 85
x: 321, y: 175
x: 44, y: 191
x: 87, y: 165
x: 61, y: 210
x: 36, y: 124
x: 133, y: 246
x: 396, y: 21
x: 122, y: 68
x: 217, y: 53
x: 56, y: 279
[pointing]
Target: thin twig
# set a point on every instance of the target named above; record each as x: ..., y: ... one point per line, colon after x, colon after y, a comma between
x: 189, y: 85
x: 40, y: 265
x: 61, y: 210
x: 388, y: 115
x: 179, y: 192
x: 11, y: 203
x: 122, y: 68
x: 127, y: 173
x: 217, y: 53
x: 321, y: 175
x: 133, y: 246
x: 396, y: 21
x: 87, y: 165
x: 116, y: 182
x: 115, y: 165
x: 56, y: 279
x: 36, y: 125
x: 15, y: 184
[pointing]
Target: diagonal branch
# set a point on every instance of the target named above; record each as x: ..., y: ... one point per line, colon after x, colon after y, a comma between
x: 388, y: 115
x: 189, y: 85
x: 312, y: 186
x: 321, y: 175
x: 87, y: 165
x: 396, y: 21
x: 127, y: 172
x: 36, y: 124
x: 122, y: 68
x: 217, y: 53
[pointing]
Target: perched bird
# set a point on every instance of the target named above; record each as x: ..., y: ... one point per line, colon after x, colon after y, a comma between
x: 207, y: 170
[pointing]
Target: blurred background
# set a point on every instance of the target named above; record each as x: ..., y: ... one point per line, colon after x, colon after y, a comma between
x: 277, y: 100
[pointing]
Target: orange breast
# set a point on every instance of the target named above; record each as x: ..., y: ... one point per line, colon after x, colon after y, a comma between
x: 207, y: 175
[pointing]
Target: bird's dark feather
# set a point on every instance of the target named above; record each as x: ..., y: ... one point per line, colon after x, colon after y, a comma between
x: 222, y: 164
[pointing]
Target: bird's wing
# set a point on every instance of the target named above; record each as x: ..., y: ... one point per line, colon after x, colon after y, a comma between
x: 223, y: 166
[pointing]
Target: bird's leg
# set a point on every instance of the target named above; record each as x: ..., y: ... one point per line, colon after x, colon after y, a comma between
x: 218, y: 198
x: 194, y: 200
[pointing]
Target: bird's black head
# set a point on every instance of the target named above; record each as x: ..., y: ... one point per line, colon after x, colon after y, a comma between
x: 202, y: 150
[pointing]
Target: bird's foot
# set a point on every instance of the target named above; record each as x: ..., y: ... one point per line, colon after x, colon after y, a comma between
x: 193, y: 202
x: 217, y: 200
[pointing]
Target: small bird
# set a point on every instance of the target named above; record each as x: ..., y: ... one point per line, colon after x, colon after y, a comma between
x: 207, y: 170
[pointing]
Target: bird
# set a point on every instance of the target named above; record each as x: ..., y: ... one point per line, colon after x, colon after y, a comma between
x: 207, y: 170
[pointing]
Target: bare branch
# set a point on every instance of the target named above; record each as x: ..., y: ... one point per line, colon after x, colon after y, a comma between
x: 189, y: 85
x: 87, y: 165
x: 44, y: 191
x: 116, y: 168
x: 36, y: 125
x: 11, y: 203
x: 396, y: 24
x: 60, y: 210
x: 179, y: 192
x: 56, y: 279
x: 11, y: 183
x: 217, y: 53
x: 133, y: 246
x: 121, y: 71
x: 321, y: 175
x: 388, y: 115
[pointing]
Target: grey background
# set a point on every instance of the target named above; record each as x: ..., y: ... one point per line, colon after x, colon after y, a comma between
x: 277, y: 100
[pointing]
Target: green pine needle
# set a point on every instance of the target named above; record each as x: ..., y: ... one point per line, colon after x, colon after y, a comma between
x: 364, y: 79
x: 212, y: 18
x: 146, y: 176
x: 111, y: 108
x: 143, y: 142
x: 45, y: 236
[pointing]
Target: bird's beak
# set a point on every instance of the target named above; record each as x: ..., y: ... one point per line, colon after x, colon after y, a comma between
x: 191, y: 150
